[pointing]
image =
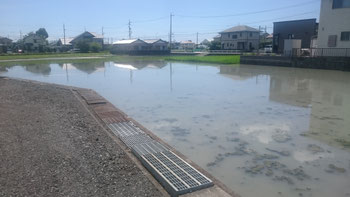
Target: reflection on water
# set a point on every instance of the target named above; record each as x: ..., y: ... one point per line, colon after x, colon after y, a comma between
x: 263, y: 131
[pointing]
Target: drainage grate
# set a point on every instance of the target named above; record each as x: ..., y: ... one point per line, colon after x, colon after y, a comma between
x: 133, y: 140
x: 176, y: 175
x: 124, y: 129
x: 148, y: 148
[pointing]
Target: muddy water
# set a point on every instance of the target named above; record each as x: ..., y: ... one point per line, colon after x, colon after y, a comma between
x: 263, y: 131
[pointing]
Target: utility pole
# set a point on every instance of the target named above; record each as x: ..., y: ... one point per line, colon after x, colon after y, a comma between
x: 103, y: 38
x: 197, y: 39
x: 265, y: 35
x: 129, y: 24
x: 64, y: 35
x: 171, y: 29
x: 259, y: 42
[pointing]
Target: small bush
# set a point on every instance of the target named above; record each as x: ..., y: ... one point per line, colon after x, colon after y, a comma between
x: 84, y: 47
x: 95, y: 47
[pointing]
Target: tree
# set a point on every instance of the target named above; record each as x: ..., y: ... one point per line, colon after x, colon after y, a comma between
x: 83, y: 46
x: 215, y: 45
x: 95, y: 47
x: 42, y: 32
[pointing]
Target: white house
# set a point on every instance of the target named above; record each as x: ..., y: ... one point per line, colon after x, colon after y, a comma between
x: 187, y: 45
x: 334, y: 25
x: 137, y: 46
x: 34, y: 42
x: 240, y: 37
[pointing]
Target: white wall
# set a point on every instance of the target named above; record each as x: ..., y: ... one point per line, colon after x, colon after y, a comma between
x: 333, y: 22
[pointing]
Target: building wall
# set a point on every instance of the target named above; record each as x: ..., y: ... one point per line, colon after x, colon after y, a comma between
x: 299, y: 29
x: 234, y: 40
x: 34, y: 42
x: 159, y: 46
x: 187, y: 45
x: 333, y: 22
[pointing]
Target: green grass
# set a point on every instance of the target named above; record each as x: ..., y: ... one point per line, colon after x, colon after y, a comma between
x: 227, y: 59
x: 223, y: 59
x: 49, y: 55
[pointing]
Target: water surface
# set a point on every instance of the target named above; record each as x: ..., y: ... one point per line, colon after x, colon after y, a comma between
x: 263, y: 131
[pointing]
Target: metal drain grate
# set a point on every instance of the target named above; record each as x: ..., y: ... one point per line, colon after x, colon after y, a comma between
x: 124, y: 129
x: 148, y: 148
x: 176, y: 175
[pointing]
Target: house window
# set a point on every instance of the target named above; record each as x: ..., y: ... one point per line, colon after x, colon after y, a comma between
x: 34, y: 40
x: 341, y: 4
x: 250, y: 34
x: 332, y: 41
x: 234, y: 36
x: 227, y: 44
x: 240, y: 34
x: 345, y: 36
x: 290, y: 36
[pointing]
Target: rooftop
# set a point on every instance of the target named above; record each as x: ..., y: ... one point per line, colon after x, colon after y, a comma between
x: 125, y: 41
x: 151, y: 41
x: 240, y: 28
x: 66, y: 41
x: 311, y: 19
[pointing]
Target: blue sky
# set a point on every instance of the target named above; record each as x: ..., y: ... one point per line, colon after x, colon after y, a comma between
x: 149, y: 18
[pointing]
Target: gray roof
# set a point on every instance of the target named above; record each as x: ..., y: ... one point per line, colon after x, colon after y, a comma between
x: 4, y: 38
x: 152, y: 41
x: 94, y: 35
x: 240, y: 28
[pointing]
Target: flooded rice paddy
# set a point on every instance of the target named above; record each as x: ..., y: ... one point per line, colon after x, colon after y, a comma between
x: 263, y: 131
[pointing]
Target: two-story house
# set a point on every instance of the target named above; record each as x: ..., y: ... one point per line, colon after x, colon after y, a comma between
x: 34, y: 42
x: 240, y: 37
x: 334, y: 25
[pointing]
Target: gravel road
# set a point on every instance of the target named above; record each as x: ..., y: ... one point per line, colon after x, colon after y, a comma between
x: 51, y: 146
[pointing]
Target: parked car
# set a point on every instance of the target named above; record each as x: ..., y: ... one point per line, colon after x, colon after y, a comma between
x: 268, y: 49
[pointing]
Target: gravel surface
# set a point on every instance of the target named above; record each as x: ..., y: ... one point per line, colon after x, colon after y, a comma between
x: 51, y: 146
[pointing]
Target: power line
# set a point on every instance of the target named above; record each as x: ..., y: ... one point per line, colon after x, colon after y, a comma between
x: 151, y: 20
x: 250, y: 13
x: 215, y: 32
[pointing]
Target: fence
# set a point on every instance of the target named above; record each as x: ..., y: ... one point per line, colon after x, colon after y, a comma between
x: 318, y: 52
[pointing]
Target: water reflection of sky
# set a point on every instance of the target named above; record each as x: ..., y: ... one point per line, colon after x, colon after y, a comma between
x: 213, y: 113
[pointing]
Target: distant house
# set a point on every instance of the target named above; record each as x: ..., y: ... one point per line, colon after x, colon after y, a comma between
x: 137, y: 46
x: 187, y: 45
x: 334, y: 28
x: 5, y: 43
x: 269, y: 38
x: 88, y: 37
x: 64, y: 44
x: 302, y: 30
x: 34, y: 42
x: 157, y: 44
x: 240, y: 37
x: 217, y: 38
